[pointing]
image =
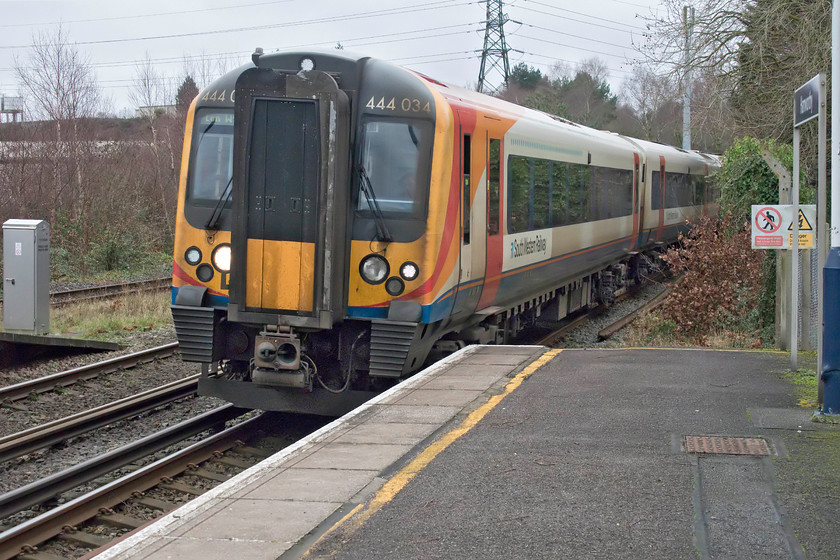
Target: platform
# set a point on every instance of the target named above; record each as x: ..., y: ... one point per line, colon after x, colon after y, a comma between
x: 18, y: 347
x: 520, y: 452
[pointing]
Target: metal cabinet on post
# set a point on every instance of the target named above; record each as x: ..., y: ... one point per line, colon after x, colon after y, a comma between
x: 26, y: 276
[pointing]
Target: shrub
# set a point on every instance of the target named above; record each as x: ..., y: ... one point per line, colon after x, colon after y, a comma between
x: 721, y: 280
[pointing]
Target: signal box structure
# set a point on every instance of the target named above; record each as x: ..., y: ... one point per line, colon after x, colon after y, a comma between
x: 26, y: 276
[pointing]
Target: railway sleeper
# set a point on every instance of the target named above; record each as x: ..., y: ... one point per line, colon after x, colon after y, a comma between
x: 83, y: 538
x: 121, y: 521
x: 155, y: 503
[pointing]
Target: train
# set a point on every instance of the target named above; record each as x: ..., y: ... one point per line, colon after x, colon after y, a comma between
x: 342, y: 221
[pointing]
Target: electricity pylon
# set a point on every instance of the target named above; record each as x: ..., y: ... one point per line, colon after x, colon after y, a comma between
x: 494, y: 55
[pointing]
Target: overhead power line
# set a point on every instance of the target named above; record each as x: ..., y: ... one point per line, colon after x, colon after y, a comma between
x: 582, y: 14
x: 372, y: 14
x: 142, y: 16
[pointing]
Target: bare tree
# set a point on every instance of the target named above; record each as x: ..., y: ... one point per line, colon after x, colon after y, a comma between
x: 204, y: 68
x: 60, y: 86
x: 151, y: 94
x: 57, y: 81
x: 749, y: 57
x: 653, y: 97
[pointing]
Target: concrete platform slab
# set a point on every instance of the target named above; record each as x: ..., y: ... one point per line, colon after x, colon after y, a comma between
x: 295, y: 484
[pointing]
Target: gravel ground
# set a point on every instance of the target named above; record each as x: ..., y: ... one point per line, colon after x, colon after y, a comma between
x: 586, y: 335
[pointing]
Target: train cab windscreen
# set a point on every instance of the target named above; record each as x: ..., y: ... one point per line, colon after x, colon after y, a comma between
x: 211, y: 168
x: 396, y: 156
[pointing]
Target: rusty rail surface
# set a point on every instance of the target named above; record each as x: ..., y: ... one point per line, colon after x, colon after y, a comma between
x: 49, y: 524
x: 26, y: 441
x: 64, y: 378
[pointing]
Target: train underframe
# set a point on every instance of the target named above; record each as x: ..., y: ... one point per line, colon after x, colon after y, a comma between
x: 329, y: 372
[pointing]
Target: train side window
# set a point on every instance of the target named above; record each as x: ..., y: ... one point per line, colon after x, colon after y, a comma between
x: 540, y: 194
x: 519, y: 187
x: 655, y: 190
x: 580, y: 189
x: 494, y: 165
x: 559, y: 193
x: 465, y: 174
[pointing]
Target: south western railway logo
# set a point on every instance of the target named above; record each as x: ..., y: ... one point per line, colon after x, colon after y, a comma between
x: 526, y: 246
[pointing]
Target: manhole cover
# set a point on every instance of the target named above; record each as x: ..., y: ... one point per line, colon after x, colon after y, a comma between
x: 727, y: 445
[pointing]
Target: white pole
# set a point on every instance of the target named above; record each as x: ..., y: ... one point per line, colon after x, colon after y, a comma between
x: 688, y: 20
x: 835, y: 124
x: 794, y: 261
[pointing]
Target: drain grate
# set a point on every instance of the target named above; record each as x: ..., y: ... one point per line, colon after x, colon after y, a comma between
x: 727, y: 445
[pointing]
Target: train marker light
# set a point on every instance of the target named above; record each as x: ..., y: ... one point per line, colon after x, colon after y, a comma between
x: 409, y: 271
x: 193, y: 256
x: 394, y: 286
x: 221, y: 257
x: 204, y: 272
x: 374, y: 269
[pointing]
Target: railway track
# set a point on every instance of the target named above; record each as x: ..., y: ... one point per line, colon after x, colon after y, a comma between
x: 556, y: 336
x: 27, y: 441
x: 63, y: 379
x: 613, y: 328
x: 104, y: 291
x: 64, y: 520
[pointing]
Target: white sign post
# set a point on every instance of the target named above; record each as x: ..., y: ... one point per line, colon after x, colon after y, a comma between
x: 808, y: 104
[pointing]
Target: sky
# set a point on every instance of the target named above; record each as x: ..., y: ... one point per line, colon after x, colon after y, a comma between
x: 440, y: 38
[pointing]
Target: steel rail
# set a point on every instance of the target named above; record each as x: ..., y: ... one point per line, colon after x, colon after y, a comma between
x: 48, y: 487
x: 610, y: 330
x: 64, y: 378
x: 554, y: 337
x: 26, y: 441
x: 106, y: 290
x: 74, y: 512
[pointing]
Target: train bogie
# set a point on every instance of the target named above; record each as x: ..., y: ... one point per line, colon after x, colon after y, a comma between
x: 341, y: 220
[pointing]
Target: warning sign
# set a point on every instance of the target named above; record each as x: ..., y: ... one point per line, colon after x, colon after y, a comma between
x: 768, y: 219
x: 772, y: 226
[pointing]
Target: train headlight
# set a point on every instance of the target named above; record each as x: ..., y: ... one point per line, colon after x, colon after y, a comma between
x: 221, y: 257
x: 409, y: 271
x: 374, y: 269
x: 394, y: 286
x: 193, y: 256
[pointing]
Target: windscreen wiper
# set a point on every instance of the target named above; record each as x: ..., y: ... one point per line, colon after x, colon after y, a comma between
x: 367, y: 188
x: 217, y: 211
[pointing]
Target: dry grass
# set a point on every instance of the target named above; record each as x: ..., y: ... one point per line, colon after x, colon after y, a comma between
x: 652, y: 329
x: 110, y: 319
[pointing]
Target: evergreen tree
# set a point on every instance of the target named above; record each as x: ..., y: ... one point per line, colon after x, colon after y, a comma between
x: 186, y: 93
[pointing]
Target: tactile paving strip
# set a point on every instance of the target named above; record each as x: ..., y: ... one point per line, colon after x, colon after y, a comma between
x: 727, y: 445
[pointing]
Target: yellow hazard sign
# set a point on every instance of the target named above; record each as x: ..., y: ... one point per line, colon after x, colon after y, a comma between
x: 804, y: 224
x: 806, y: 240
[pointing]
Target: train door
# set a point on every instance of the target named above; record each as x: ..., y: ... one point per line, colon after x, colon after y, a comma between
x: 638, y: 208
x: 494, y: 238
x: 282, y: 193
x: 659, y: 195
x: 468, y: 290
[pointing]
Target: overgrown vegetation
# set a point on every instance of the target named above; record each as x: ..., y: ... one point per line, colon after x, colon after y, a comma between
x: 113, y: 319
x: 721, y: 284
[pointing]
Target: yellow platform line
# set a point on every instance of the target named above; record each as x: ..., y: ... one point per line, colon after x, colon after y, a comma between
x: 360, y: 514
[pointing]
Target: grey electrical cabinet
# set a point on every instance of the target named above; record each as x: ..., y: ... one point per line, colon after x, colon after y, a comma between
x: 26, y: 276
